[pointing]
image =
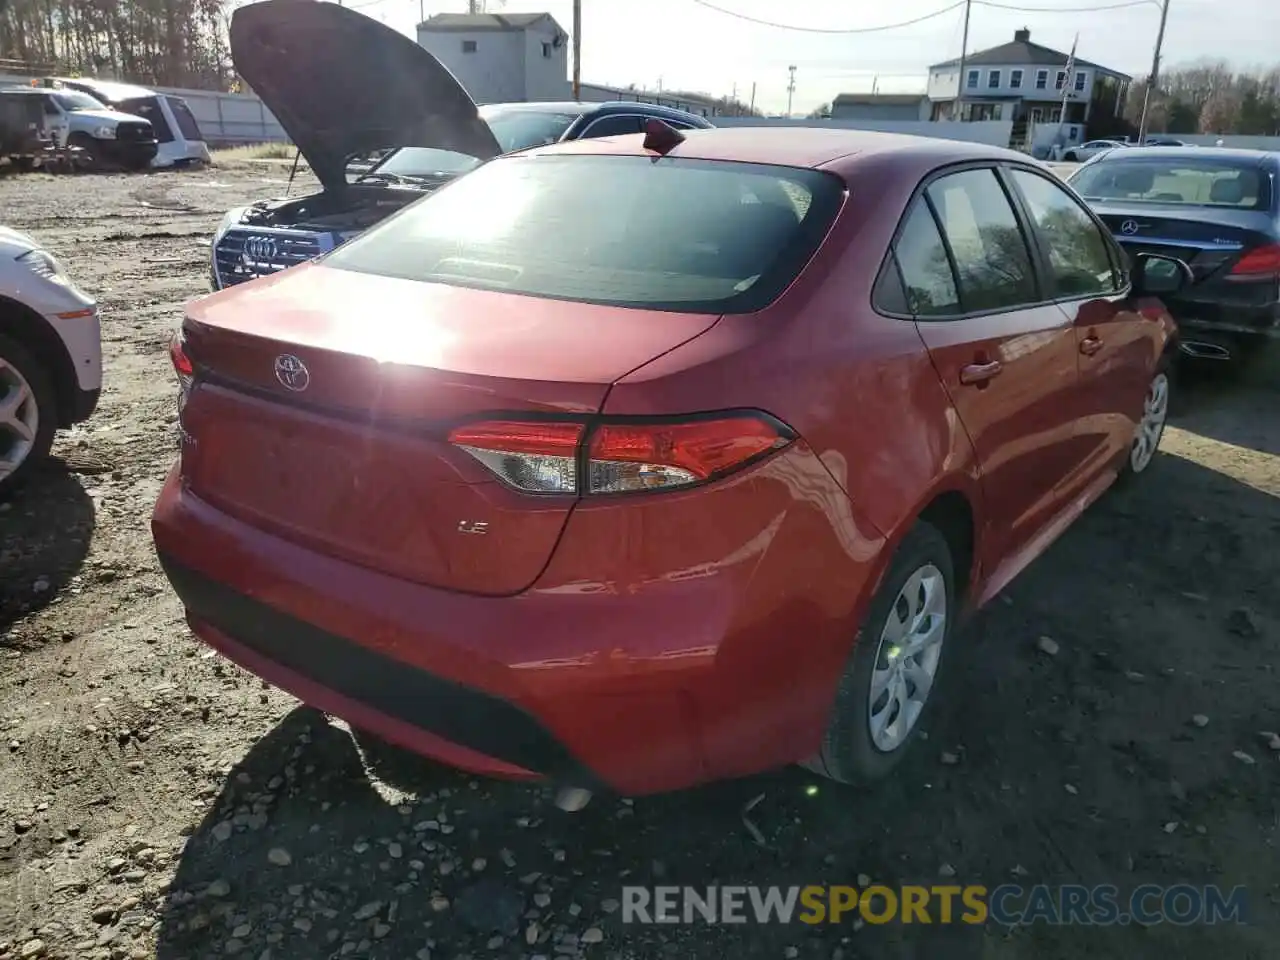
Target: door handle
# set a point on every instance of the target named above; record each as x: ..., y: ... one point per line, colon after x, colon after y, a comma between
x: 980, y: 373
x: 1090, y: 345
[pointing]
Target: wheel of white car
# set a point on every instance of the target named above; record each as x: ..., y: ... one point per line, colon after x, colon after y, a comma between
x: 890, y: 684
x: 1150, y: 426
x: 27, y: 414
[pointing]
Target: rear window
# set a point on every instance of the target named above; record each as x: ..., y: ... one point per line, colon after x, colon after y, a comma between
x: 148, y: 108
x: 187, y: 125
x: 686, y: 235
x: 1193, y: 182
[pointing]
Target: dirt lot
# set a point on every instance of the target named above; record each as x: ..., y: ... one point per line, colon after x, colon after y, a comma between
x: 155, y: 801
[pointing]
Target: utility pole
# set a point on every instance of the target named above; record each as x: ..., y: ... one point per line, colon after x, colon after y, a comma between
x: 958, y: 111
x: 473, y: 7
x: 752, y: 108
x: 1154, y: 80
x: 577, y: 50
x: 791, y: 88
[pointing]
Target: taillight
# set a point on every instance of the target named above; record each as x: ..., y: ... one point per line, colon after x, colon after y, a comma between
x: 1260, y: 263
x: 182, y: 365
x: 620, y: 455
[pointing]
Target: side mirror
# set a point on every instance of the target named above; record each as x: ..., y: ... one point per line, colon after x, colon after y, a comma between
x: 1155, y: 275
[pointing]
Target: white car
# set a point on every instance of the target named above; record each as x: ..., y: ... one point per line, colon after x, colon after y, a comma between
x: 50, y: 354
x: 1090, y: 149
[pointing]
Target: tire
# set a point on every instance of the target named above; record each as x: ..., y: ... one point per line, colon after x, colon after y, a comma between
x: 89, y: 146
x: 28, y: 414
x: 1071, y: 157
x: 850, y: 753
x: 1155, y: 416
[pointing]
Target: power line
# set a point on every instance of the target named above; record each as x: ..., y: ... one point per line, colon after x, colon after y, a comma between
x: 1095, y: 9
x: 1016, y: 8
x: 790, y: 26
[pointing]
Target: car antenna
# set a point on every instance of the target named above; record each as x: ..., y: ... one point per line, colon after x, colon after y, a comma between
x: 296, y: 157
x: 661, y: 137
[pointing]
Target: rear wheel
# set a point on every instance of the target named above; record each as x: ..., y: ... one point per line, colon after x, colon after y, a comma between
x: 890, y: 684
x: 1071, y: 157
x: 27, y: 414
x: 1150, y: 428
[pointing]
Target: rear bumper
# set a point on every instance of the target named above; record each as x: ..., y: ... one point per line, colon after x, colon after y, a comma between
x: 587, y: 679
x: 1242, y: 319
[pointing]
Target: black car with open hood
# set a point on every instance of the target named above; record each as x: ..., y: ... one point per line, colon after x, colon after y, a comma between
x: 345, y: 87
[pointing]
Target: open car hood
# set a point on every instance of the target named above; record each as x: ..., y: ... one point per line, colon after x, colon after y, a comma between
x: 342, y: 84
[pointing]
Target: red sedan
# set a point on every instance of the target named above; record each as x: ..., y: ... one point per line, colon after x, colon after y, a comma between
x: 640, y: 462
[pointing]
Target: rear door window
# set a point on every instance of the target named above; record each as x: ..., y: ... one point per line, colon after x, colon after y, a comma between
x: 682, y: 234
x: 926, y: 270
x: 991, y: 256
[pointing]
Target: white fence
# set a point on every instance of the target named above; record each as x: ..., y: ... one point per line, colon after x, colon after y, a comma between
x: 230, y: 117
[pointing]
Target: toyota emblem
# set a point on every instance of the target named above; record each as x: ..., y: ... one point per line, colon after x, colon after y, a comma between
x: 292, y: 373
x: 259, y: 250
x: 1129, y: 227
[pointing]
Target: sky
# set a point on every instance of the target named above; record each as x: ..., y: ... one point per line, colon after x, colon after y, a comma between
x: 687, y: 46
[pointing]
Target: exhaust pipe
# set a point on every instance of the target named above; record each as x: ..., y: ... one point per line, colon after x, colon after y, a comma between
x: 1204, y: 350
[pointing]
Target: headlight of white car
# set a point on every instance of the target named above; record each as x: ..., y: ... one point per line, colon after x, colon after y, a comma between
x: 232, y: 219
x: 44, y: 264
x: 105, y: 133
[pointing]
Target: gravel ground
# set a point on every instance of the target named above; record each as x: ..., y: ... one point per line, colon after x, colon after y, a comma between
x: 157, y: 801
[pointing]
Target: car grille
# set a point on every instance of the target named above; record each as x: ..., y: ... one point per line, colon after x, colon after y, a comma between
x: 134, y: 132
x: 245, y: 254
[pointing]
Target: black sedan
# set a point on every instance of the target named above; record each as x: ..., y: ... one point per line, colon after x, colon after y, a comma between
x: 1218, y: 210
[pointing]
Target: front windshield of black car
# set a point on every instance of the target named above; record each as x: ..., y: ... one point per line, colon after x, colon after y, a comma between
x: 1194, y: 182
x: 686, y: 235
x: 423, y: 162
x: 517, y: 128
x: 73, y: 100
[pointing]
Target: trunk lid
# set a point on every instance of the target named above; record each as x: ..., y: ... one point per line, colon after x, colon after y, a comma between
x: 341, y: 84
x: 1210, y: 240
x: 324, y: 398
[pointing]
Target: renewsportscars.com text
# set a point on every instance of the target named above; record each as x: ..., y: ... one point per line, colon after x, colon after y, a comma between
x: 1009, y: 905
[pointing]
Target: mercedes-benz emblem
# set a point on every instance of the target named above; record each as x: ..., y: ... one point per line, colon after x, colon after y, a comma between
x: 292, y: 373
x: 258, y: 250
x: 1129, y: 227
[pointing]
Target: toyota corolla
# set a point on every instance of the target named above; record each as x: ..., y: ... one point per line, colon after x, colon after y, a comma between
x: 640, y: 462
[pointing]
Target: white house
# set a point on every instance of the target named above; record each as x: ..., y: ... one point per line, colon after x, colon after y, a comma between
x: 501, y: 57
x: 1023, y: 82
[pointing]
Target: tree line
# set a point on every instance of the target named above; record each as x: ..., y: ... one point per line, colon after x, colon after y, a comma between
x: 167, y: 43
x: 1210, y: 97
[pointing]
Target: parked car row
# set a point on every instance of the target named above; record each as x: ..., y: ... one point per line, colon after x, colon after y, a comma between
x: 112, y: 124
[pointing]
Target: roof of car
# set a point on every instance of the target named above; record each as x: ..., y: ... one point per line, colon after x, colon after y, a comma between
x: 606, y: 106
x: 796, y: 146
x: 27, y: 90
x: 1239, y: 154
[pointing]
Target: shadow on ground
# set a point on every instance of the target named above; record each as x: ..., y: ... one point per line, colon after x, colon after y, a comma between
x: 1083, y: 766
x: 45, y: 529
x: 1216, y: 404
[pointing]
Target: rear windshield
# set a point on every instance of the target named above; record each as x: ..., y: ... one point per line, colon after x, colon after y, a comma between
x: 187, y: 125
x: 148, y: 108
x: 686, y: 235
x: 1195, y: 182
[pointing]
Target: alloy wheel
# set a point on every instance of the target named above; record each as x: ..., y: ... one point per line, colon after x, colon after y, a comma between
x: 907, y: 658
x: 1155, y: 411
x: 19, y: 419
